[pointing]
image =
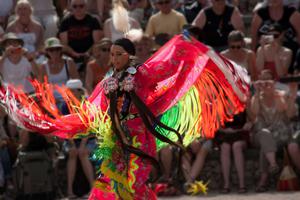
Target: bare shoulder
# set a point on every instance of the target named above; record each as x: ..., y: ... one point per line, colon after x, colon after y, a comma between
x: 36, y: 24
x: 249, y: 53
x: 11, y: 26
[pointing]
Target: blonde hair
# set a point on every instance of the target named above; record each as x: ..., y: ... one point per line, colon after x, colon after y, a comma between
x: 23, y: 3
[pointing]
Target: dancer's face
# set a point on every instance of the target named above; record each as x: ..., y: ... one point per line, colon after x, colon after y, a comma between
x: 119, y: 57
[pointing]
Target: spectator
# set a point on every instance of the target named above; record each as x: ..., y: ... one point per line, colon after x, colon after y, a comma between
x: 120, y: 23
x: 96, y: 8
x: 191, y: 9
x: 217, y: 21
x: 16, y: 67
x: 137, y: 10
x: 78, y: 148
x: 167, y: 158
x: 275, y: 12
x: 239, y: 54
x: 57, y: 68
x: 45, y: 13
x: 234, y: 136
x: 167, y: 20
x: 25, y: 27
x: 99, y: 65
x: 272, y: 55
x: 6, y: 10
x: 193, y: 160
x: 5, y: 161
x: 143, y: 48
x: 79, y: 31
x: 271, y: 111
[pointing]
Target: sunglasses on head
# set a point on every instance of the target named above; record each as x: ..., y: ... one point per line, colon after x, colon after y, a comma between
x: 54, y: 49
x: 163, y: 2
x: 75, y: 6
x: 235, y: 46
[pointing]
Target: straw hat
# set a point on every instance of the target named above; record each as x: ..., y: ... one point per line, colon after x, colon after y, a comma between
x: 11, y: 36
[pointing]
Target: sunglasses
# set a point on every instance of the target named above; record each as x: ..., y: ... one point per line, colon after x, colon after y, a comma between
x: 75, y: 6
x: 235, y: 47
x: 163, y: 2
x: 54, y: 49
x: 105, y: 49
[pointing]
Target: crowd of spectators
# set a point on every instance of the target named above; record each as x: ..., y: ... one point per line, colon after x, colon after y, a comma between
x: 67, y: 40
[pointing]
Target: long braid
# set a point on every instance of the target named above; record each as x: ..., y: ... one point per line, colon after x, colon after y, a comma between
x: 146, y: 113
x: 117, y: 128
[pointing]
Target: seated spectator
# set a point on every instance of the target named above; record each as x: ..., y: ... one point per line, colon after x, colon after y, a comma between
x: 217, y: 21
x: 120, y: 23
x: 45, y: 13
x: 272, y: 55
x: 235, y: 137
x: 271, y: 111
x: 16, y: 67
x: 16, y: 64
x: 166, y: 184
x: 143, y: 48
x: 78, y: 148
x: 29, y: 30
x: 271, y: 12
x: 57, y: 68
x: 167, y: 20
x: 96, y: 8
x: 99, y: 65
x: 137, y: 10
x: 5, y: 160
x: 6, y: 9
x: 78, y: 32
x: 193, y: 160
x: 239, y: 54
x: 191, y: 8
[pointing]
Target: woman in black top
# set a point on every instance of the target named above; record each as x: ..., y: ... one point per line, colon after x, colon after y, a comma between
x: 275, y: 12
x: 217, y: 21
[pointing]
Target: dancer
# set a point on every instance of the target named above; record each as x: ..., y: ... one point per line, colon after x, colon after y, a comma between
x: 184, y: 88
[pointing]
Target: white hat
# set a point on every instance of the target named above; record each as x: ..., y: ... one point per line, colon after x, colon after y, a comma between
x: 53, y: 42
x: 75, y: 84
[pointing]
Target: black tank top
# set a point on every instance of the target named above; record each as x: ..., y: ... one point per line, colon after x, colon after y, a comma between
x: 217, y: 27
x: 284, y: 22
x: 290, y: 40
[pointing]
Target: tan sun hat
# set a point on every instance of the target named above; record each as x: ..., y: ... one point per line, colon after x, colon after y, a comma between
x: 11, y: 36
x: 53, y: 42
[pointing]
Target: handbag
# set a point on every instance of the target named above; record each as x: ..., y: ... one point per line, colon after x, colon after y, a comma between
x: 288, y: 180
